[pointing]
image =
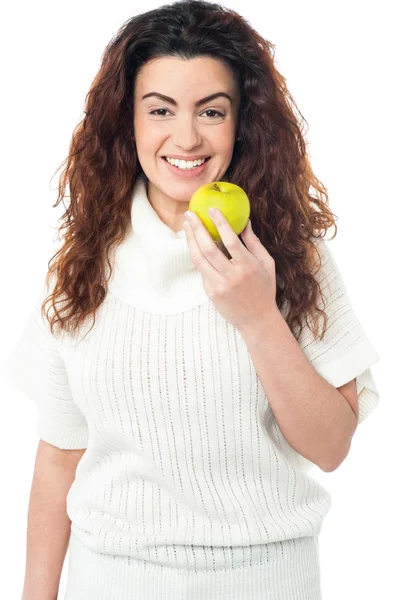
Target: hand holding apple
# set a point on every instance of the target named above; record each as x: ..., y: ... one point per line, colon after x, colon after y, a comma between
x: 227, y: 197
x: 242, y: 288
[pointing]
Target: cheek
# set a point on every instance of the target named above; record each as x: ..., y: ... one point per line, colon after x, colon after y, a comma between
x: 224, y: 142
x: 145, y: 129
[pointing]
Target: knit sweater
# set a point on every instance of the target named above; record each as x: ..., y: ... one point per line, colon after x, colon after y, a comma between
x: 185, y: 465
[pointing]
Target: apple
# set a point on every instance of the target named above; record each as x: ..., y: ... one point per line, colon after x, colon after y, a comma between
x: 227, y: 197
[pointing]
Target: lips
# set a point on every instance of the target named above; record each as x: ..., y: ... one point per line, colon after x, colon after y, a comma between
x: 186, y: 173
x: 207, y: 158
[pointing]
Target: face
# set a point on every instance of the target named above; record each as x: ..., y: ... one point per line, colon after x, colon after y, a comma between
x: 183, y: 125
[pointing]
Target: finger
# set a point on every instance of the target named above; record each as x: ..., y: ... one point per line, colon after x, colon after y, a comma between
x: 208, y: 248
x: 232, y: 242
x: 200, y: 261
x: 254, y: 244
x: 248, y: 235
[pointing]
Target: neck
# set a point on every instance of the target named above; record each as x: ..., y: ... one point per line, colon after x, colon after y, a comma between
x: 152, y: 267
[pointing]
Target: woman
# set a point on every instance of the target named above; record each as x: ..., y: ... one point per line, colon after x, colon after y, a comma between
x: 188, y: 415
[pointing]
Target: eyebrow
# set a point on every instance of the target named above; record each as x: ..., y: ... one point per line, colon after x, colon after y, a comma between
x: 198, y: 103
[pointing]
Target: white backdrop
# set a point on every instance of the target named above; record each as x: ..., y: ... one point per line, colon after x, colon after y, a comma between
x: 340, y: 62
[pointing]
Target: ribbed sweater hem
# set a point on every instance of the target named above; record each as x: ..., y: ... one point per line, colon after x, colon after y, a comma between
x: 293, y: 574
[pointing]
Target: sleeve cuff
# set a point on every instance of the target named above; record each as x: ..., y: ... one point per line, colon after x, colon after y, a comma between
x: 349, y: 364
x: 354, y: 363
x: 65, y: 439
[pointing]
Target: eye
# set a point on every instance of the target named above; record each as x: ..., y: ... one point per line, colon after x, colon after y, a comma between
x: 209, y: 110
x: 157, y: 111
x: 216, y: 112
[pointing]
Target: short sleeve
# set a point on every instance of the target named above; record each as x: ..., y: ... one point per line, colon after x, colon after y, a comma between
x: 345, y: 353
x: 36, y: 368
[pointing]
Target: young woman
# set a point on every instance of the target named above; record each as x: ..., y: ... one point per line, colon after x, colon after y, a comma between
x: 178, y: 430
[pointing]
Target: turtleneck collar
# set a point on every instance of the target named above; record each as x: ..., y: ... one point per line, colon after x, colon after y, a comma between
x: 152, y: 266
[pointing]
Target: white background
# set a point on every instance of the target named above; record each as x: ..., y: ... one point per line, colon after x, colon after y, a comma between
x: 340, y: 63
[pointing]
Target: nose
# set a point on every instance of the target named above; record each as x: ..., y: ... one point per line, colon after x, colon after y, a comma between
x: 186, y: 134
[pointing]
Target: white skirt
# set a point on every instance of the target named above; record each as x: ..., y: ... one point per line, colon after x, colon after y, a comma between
x: 293, y: 574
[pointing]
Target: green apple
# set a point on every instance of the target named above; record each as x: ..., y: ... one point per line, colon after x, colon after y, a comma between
x: 227, y: 197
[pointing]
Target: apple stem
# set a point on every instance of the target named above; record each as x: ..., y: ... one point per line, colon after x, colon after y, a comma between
x: 216, y: 187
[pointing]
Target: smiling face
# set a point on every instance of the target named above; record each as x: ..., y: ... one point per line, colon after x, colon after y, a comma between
x: 183, y: 123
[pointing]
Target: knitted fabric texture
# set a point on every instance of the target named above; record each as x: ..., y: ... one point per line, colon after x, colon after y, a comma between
x: 185, y: 465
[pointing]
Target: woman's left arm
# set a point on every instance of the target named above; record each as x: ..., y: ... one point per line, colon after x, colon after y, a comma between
x: 315, y: 417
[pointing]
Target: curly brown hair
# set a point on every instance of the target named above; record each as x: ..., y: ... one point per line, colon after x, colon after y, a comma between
x: 270, y: 162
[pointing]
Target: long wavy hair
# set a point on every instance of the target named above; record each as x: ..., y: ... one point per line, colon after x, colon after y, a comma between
x: 269, y: 162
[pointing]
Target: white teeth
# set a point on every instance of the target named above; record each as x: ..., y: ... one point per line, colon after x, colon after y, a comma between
x: 182, y: 164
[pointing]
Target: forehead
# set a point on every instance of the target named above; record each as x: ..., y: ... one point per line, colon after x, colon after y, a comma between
x: 195, y: 75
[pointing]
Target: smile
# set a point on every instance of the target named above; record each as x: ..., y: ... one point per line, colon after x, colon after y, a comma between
x: 186, y: 172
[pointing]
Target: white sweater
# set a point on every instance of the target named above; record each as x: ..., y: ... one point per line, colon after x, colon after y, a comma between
x: 185, y: 466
